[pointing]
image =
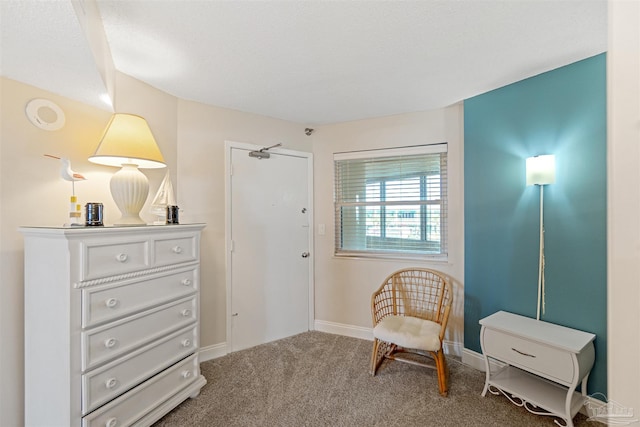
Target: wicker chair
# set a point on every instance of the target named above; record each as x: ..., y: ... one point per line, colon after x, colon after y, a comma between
x: 410, y: 313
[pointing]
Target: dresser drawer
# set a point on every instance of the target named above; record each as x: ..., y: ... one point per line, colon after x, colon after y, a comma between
x: 105, y: 343
x: 175, y: 250
x: 103, y: 384
x: 541, y: 359
x: 114, y: 257
x: 133, y: 405
x: 105, y: 303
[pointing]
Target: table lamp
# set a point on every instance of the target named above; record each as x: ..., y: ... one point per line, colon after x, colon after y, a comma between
x: 128, y: 143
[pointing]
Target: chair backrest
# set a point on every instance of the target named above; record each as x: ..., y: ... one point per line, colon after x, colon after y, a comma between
x: 416, y: 292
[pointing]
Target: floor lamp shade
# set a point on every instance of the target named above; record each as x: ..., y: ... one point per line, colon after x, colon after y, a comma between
x: 127, y: 142
x: 541, y: 170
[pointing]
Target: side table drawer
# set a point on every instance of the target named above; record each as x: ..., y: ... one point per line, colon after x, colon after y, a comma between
x: 108, y: 342
x: 103, y: 384
x: 133, y: 405
x: 104, y: 303
x: 546, y: 361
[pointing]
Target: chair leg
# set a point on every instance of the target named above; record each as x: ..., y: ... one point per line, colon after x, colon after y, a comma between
x: 443, y: 372
x: 374, y: 357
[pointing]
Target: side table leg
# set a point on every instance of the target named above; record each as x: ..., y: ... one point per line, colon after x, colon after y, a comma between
x: 487, y: 376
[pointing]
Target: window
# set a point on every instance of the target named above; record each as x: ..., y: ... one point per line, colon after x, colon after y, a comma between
x: 391, y: 202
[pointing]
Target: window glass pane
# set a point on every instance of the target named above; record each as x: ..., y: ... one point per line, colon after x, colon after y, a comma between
x: 403, y: 222
x: 433, y: 223
x: 372, y: 215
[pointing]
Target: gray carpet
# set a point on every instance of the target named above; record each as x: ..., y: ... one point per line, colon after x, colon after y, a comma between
x: 319, y: 379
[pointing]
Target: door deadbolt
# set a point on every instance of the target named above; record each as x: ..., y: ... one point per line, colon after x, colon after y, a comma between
x: 305, y: 254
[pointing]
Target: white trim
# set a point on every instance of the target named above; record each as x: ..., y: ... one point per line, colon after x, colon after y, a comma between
x: 227, y: 233
x: 345, y: 330
x: 593, y: 406
x: 213, y: 351
x: 476, y: 360
x: 453, y: 348
x: 440, y: 147
x: 228, y: 146
x: 364, y: 333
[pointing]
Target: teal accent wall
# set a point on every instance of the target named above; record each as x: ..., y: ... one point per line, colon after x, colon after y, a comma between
x: 561, y: 112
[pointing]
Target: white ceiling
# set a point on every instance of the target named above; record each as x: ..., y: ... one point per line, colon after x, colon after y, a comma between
x: 310, y: 62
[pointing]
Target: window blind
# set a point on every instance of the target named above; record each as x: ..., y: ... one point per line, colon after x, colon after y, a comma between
x: 391, y: 201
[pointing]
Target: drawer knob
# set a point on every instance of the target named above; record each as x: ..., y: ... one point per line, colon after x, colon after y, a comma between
x: 111, y: 302
x: 122, y: 257
x: 186, y: 374
x: 111, y: 383
x: 176, y: 250
x: 111, y: 422
x: 186, y: 312
x: 186, y: 343
x: 186, y: 282
x: 110, y: 343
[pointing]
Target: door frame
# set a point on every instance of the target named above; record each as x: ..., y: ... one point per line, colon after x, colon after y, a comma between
x: 228, y: 146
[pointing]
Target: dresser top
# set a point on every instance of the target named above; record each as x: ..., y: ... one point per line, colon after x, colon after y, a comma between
x: 569, y: 339
x: 83, y: 230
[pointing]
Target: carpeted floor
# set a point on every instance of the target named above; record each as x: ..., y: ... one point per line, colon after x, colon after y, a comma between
x: 319, y: 379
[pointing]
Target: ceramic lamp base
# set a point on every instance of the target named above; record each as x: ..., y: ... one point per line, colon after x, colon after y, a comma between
x: 129, y: 189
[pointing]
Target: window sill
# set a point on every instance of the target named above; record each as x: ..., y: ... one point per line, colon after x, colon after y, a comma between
x: 438, y: 259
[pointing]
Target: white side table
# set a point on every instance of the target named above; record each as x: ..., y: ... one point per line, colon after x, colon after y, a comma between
x: 543, y: 362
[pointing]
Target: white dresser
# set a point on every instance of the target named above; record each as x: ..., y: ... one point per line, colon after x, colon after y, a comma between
x: 543, y: 363
x: 111, y: 323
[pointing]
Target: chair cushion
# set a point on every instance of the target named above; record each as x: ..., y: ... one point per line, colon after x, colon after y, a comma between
x: 409, y: 332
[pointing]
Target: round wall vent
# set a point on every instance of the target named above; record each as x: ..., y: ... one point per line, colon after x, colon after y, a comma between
x: 45, y: 114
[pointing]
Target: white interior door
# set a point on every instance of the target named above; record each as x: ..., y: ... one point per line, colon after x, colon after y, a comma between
x: 268, y: 237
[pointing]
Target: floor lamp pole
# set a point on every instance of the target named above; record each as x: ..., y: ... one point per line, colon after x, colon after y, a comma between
x: 541, y: 257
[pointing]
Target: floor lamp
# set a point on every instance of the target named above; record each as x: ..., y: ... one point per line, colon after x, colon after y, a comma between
x: 541, y: 170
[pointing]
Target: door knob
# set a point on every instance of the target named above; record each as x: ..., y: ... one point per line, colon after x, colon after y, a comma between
x: 305, y: 254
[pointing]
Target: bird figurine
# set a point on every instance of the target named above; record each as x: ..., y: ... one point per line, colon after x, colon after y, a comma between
x: 65, y: 171
x: 69, y: 175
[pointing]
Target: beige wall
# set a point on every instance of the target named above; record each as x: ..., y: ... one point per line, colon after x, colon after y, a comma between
x: 623, y: 77
x: 33, y: 193
x: 343, y: 287
x: 161, y: 112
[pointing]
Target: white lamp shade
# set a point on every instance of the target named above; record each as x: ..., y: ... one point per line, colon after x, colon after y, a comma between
x: 127, y: 139
x: 541, y: 170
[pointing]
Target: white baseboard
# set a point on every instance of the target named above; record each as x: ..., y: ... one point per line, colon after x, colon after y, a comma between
x: 367, y: 334
x: 476, y: 360
x: 598, y: 410
x: 218, y: 350
x: 345, y: 330
x: 213, y: 351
